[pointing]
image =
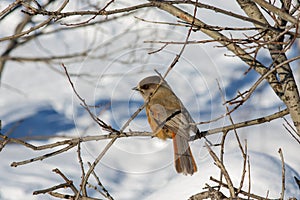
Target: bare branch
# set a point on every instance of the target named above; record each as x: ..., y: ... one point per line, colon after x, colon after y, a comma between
x: 261, y: 69
x: 47, y: 21
x: 277, y: 11
x: 63, y: 185
x: 61, y: 15
x: 70, y: 146
x: 212, y: 194
x: 9, y: 8
x: 246, y: 123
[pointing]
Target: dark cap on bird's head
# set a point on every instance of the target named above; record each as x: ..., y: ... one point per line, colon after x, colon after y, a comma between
x: 150, y: 80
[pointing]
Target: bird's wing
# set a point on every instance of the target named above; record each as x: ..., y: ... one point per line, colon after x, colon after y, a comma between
x: 190, y: 120
x: 173, y: 120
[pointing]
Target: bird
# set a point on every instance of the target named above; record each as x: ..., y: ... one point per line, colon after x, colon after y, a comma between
x: 168, y: 118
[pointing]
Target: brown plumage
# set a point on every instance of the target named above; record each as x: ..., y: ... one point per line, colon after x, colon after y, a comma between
x: 168, y: 118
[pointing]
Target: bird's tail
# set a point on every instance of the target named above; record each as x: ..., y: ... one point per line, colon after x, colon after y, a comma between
x: 184, y: 160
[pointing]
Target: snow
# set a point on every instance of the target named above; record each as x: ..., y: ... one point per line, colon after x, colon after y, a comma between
x: 140, y: 167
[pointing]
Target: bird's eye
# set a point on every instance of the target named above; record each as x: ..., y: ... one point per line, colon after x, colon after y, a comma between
x: 145, y: 87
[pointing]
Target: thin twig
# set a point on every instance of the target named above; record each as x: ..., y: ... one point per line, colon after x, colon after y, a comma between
x: 73, y: 188
x: 249, y: 177
x: 82, y: 187
x: 63, y: 185
x: 176, y: 59
x: 282, y: 174
x: 100, y: 122
x: 222, y: 151
x: 244, y: 154
x: 95, y: 188
x: 68, y: 184
x: 92, y: 18
x: 289, y: 131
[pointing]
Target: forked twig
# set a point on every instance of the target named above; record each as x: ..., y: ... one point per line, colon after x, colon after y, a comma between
x: 97, y: 160
x: 102, y: 124
x: 224, y: 171
x: 68, y: 184
x: 106, y: 193
x: 244, y: 152
x: 254, y: 196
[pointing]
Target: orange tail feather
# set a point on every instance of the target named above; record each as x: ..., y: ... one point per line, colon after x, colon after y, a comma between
x: 184, y: 160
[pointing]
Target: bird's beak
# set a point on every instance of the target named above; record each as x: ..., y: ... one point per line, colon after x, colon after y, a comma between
x: 136, y: 88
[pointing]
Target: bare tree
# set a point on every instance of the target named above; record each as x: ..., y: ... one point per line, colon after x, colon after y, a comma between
x: 265, y: 27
